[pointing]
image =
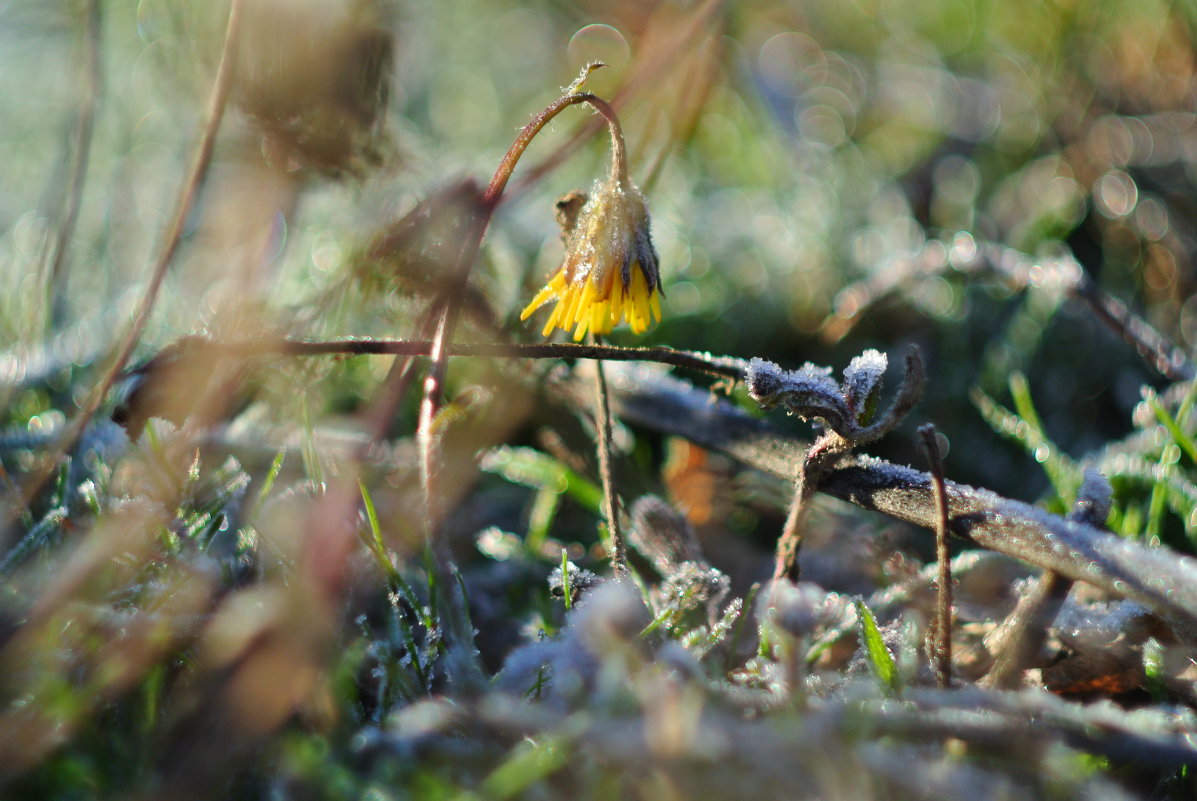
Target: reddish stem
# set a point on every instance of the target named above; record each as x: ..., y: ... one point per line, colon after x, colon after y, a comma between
x: 451, y: 304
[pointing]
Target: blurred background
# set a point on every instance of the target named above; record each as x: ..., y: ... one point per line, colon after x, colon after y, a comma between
x: 809, y: 166
x: 824, y: 177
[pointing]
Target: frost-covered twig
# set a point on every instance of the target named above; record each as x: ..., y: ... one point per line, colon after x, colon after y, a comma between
x: 943, y: 596
x: 849, y: 412
x: 1157, y: 578
x: 1020, y: 636
x: 981, y: 716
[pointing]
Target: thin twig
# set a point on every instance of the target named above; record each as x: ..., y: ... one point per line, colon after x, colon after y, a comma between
x: 943, y: 595
x: 688, y: 110
x: 602, y: 419
x: 1015, y: 643
x: 785, y: 561
x: 825, y: 450
x: 976, y: 257
x: 402, y: 371
x: 1168, y: 360
x: 80, y: 157
x: 1018, y: 640
x: 217, y: 101
x: 1001, y: 718
x: 221, y: 88
x: 720, y: 366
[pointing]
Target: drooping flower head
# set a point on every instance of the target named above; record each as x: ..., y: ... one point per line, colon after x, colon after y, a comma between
x: 610, y: 269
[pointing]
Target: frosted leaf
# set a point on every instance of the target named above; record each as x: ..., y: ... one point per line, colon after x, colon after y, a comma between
x: 813, y: 374
x: 867, y: 367
x: 769, y: 385
x: 764, y: 381
x: 811, y: 393
x: 862, y: 381
x: 808, y: 392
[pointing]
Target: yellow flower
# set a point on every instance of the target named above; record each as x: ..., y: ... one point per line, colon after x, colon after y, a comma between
x: 610, y: 268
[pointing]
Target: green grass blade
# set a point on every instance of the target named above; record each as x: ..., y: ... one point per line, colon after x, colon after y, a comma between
x: 276, y: 467
x: 531, y: 468
x: 881, y: 661
x: 1023, y: 427
x: 565, y: 588
x: 1174, y: 430
x: 528, y: 763
x: 32, y: 539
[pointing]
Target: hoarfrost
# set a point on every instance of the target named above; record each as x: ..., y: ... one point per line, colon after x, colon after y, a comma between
x: 862, y: 378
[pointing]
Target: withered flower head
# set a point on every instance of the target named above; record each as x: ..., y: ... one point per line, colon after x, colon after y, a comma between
x: 610, y: 268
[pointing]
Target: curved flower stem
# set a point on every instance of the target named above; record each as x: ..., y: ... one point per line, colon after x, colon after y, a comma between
x: 602, y: 420
x: 448, y: 311
x: 450, y: 303
x: 662, y: 61
x: 619, y: 157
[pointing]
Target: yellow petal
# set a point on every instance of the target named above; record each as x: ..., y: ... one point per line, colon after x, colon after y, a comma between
x: 639, y: 301
x: 573, y: 302
x: 589, y: 296
x: 616, y: 307
x: 542, y: 297
x: 553, y: 319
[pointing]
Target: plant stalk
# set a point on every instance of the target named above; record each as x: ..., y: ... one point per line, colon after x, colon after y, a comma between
x: 602, y: 419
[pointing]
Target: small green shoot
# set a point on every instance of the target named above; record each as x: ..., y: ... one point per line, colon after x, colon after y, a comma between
x: 33, y: 538
x: 565, y: 584
x: 399, y: 588
x: 881, y: 661
x: 1153, y: 670
x: 276, y: 467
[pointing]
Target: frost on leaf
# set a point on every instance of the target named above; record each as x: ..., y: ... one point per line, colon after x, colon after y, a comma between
x: 764, y: 381
x: 862, y: 383
x: 849, y: 410
x: 693, y: 584
x: 769, y: 385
